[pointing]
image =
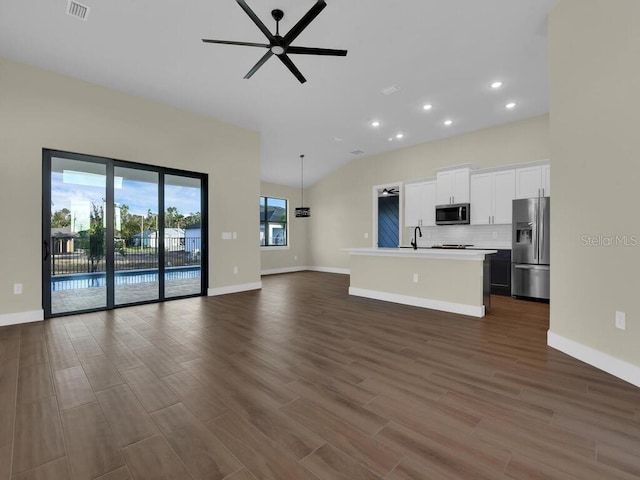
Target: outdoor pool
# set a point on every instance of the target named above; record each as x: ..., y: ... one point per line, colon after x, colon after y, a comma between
x: 89, y: 280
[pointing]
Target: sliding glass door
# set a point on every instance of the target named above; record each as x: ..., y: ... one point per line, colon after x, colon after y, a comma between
x: 75, y: 238
x: 117, y: 233
x: 135, y: 227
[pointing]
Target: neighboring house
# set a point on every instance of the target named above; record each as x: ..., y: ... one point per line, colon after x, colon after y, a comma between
x: 173, y: 239
x: 192, y: 236
x: 62, y: 240
x: 277, y: 228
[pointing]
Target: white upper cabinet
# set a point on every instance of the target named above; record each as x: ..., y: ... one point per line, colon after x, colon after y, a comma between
x: 504, y: 183
x: 546, y: 180
x: 420, y: 204
x: 492, y: 195
x: 533, y: 181
x: 412, y: 204
x: 481, y: 198
x: 452, y: 186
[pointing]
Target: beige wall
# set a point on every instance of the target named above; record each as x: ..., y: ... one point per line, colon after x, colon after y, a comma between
x: 454, y: 281
x: 342, y: 204
x: 40, y: 110
x: 295, y: 255
x: 594, y: 97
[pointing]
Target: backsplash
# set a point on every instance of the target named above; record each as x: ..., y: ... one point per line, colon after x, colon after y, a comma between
x: 495, y: 236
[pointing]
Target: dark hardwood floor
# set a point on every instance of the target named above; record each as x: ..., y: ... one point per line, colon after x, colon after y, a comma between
x: 300, y: 381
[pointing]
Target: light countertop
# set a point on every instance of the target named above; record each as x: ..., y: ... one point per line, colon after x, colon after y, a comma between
x: 434, y: 253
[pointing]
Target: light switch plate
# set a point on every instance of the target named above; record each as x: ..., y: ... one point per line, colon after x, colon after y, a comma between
x: 621, y: 320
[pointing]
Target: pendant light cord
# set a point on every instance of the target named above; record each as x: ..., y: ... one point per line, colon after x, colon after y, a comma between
x: 302, y: 180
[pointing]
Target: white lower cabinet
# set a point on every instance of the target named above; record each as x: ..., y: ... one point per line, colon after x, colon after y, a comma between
x: 420, y: 204
x: 492, y: 194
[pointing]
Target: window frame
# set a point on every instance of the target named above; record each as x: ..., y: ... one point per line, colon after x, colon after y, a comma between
x: 266, y: 223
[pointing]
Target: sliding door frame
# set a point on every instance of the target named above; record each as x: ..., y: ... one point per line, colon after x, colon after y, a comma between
x: 111, y: 164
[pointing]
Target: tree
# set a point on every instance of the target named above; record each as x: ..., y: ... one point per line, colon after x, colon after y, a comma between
x: 61, y: 218
x: 96, y: 236
x: 173, y: 218
x: 192, y: 218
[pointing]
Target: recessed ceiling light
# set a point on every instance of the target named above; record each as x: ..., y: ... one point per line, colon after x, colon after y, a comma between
x: 427, y: 106
x: 390, y: 139
x: 496, y: 85
x: 375, y: 123
x: 337, y: 139
x: 448, y: 123
x: 510, y: 105
x: 399, y: 136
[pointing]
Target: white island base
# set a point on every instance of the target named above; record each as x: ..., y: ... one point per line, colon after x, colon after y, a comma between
x: 456, y: 281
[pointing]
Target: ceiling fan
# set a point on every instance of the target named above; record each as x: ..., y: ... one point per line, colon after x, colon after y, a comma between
x: 392, y: 191
x: 279, y: 45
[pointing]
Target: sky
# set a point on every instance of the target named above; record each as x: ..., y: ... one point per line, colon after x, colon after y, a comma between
x: 78, y: 191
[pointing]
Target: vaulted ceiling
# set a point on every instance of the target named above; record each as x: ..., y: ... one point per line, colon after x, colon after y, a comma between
x: 445, y: 53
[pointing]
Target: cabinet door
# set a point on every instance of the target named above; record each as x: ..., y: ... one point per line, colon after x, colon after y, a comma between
x: 428, y: 200
x: 460, y: 192
x: 504, y: 191
x: 546, y: 180
x: 412, y: 204
x: 528, y: 182
x: 481, y: 198
x: 444, y: 182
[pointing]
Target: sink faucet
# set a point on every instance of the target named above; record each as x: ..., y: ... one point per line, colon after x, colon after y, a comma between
x: 414, y: 242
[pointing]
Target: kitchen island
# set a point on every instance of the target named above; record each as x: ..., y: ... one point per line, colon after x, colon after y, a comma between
x: 456, y: 280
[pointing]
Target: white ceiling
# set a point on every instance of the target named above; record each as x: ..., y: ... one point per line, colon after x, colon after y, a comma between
x: 445, y: 52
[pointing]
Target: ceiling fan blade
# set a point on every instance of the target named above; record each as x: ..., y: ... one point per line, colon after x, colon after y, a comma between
x: 289, y: 64
x: 255, y: 68
x: 231, y: 42
x: 256, y: 20
x: 304, y: 21
x: 316, y: 51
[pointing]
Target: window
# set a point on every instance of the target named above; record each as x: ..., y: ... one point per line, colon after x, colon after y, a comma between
x: 273, y: 222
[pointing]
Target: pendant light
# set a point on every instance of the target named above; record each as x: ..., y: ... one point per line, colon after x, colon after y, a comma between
x: 302, y: 211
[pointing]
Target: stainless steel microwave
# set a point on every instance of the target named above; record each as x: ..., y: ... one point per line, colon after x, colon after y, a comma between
x: 454, y: 214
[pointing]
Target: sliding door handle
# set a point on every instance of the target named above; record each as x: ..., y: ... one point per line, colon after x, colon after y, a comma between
x: 47, y: 251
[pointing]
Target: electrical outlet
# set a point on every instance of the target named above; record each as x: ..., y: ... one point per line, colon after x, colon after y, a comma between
x: 17, y: 288
x: 415, y: 278
x: 495, y: 235
x: 621, y: 320
x: 366, y: 234
x: 235, y: 269
x: 295, y: 258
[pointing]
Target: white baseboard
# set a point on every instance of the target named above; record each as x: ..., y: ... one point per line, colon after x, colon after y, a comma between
x: 341, y: 271
x: 244, y: 287
x: 277, y: 271
x: 616, y: 367
x: 21, y: 317
x: 460, y: 308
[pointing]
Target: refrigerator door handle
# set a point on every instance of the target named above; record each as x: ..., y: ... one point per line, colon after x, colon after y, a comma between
x: 535, y: 233
x: 542, y: 232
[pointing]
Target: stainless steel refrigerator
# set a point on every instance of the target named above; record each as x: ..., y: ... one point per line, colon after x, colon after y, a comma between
x: 530, y: 248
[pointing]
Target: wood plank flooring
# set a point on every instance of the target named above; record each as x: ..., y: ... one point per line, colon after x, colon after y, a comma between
x: 299, y: 381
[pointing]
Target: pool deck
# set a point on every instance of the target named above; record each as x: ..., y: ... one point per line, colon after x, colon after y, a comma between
x: 95, y: 297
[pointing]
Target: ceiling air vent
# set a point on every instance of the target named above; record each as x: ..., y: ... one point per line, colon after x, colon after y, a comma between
x: 390, y: 90
x: 357, y: 152
x: 77, y: 10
